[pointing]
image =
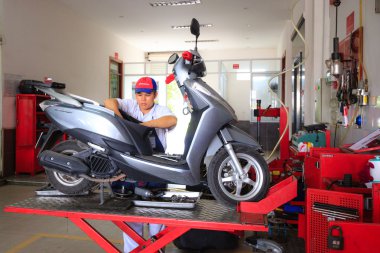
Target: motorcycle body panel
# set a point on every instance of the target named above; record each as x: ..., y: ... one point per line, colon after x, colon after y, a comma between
x: 90, y: 119
x: 98, y: 125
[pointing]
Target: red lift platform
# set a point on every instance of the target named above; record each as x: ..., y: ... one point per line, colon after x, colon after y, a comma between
x: 207, y: 214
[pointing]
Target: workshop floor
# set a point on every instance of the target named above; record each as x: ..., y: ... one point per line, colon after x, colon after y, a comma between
x: 34, y: 233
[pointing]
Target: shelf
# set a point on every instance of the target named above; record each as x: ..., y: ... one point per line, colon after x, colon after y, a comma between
x: 358, y: 190
x: 30, y: 120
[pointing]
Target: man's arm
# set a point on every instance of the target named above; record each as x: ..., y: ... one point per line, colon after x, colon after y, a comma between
x: 163, y: 122
x: 112, y: 104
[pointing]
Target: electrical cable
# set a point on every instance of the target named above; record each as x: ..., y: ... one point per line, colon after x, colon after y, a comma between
x: 283, y: 72
x: 350, y: 124
x: 336, y: 3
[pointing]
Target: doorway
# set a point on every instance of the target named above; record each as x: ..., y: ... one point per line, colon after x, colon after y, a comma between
x: 115, y: 78
x: 298, y: 77
x: 298, y: 101
x: 1, y: 115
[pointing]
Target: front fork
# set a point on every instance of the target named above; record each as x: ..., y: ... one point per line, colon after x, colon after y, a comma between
x: 230, y: 150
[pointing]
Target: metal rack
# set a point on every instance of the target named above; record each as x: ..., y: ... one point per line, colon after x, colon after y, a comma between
x: 30, y: 124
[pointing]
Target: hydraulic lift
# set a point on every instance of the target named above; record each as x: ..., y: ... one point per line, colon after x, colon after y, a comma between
x: 207, y: 214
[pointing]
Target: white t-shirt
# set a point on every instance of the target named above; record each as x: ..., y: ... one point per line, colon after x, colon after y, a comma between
x: 131, y: 107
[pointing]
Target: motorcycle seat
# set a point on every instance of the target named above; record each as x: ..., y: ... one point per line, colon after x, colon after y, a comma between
x: 139, y: 134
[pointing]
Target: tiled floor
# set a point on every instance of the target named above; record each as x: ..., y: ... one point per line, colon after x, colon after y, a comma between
x: 34, y: 233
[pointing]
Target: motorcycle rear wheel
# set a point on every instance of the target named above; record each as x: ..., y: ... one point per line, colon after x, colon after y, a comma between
x: 227, y: 187
x: 65, y: 183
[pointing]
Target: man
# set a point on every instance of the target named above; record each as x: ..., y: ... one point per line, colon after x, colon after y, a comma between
x: 152, y: 115
x: 144, y: 109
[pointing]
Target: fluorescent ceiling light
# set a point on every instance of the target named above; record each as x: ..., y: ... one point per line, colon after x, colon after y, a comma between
x: 177, y: 27
x: 193, y: 41
x: 175, y: 3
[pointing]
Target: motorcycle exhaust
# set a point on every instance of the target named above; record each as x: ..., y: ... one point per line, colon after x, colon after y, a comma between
x: 145, y: 193
x: 63, y: 163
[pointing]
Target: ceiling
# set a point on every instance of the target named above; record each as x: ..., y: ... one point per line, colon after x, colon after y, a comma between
x: 237, y: 24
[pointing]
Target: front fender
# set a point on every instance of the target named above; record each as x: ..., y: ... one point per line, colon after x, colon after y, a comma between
x: 231, y: 134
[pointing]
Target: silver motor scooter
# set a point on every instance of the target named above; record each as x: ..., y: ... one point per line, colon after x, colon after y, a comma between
x: 106, y: 148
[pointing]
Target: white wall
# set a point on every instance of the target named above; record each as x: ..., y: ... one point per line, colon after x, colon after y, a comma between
x: 1, y: 94
x: 238, y: 92
x: 45, y: 38
x: 285, y: 48
x: 285, y: 42
x: 317, y: 41
x: 1, y: 113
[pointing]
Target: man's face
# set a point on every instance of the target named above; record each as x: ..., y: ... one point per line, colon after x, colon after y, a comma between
x: 145, y: 100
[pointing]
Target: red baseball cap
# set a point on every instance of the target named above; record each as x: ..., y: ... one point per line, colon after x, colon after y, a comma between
x: 145, y: 84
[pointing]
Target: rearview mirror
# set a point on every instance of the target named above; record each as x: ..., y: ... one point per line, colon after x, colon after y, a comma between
x: 173, y: 58
x: 194, y: 27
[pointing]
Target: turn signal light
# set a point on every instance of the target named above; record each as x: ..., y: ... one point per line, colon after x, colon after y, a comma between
x: 187, y: 56
x: 169, y: 78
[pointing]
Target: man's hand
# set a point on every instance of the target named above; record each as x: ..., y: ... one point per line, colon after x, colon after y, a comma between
x: 112, y: 104
x: 163, y: 122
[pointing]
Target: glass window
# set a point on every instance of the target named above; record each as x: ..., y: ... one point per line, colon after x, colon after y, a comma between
x: 170, y: 68
x: 129, y: 85
x: 212, y: 66
x: 114, y: 88
x: 238, y: 95
x: 269, y: 65
x: 260, y: 90
x: 114, y: 66
x: 134, y: 68
x: 161, y: 86
x: 240, y: 82
x: 176, y: 136
x: 156, y: 68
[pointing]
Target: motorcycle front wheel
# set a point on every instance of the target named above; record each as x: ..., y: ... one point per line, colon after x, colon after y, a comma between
x: 228, y: 187
x: 65, y: 183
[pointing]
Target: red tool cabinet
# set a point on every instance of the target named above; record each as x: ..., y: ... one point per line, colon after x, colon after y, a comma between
x: 318, y: 224
x: 324, y: 165
x: 30, y: 123
x: 323, y: 169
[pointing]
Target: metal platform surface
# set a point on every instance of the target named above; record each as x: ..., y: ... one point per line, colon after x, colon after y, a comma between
x: 207, y: 214
x: 205, y: 210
